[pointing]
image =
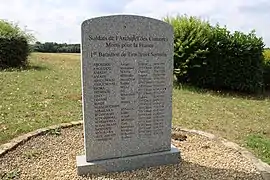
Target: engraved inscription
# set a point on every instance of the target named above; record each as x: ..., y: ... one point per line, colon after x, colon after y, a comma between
x: 105, y: 119
x: 145, y: 99
x: 127, y: 95
x: 141, y: 87
x: 159, y: 89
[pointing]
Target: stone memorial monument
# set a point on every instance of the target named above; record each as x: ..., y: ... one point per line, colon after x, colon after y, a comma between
x: 127, y: 76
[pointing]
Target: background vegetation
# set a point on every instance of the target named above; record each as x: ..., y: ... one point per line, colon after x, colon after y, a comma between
x: 52, y: 47
x: 14, y: 45
x: 213, y: 57
x: 267, y: 69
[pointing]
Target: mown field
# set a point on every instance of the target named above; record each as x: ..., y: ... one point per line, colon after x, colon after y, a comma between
x: 49, y: 92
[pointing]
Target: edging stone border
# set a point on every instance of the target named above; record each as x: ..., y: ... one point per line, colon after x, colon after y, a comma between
x: 262, y: 167
x: 23, y: 138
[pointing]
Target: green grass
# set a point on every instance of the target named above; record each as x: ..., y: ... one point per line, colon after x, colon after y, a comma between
x: 49, y: 92
x: 234, y: 117
x: 231, y: 116
x: 261, y: 145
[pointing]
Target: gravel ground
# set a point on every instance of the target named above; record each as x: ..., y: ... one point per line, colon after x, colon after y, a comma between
x: 52, y: 157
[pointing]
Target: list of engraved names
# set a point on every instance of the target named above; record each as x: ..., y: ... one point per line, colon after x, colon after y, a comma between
x: 140, y: 79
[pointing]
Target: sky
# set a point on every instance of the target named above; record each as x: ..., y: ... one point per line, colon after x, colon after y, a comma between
x: 60, y: 20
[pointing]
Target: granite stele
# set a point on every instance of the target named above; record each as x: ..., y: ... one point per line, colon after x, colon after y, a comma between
x: 127, y: 75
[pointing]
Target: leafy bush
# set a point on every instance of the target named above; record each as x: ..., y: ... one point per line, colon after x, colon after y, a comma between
x: 14, y: 45
x: 213, y: 57
x: 235, y: 61
x: 13, y: 52
x: 191, y: 42
x: 266, y: 76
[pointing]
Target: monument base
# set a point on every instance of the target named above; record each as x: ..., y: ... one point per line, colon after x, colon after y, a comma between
x: 127, y: 163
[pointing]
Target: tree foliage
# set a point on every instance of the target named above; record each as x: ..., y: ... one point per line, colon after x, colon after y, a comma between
x: 52, y: 47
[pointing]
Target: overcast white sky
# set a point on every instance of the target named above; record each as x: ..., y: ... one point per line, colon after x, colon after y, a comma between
x: 60, y: 20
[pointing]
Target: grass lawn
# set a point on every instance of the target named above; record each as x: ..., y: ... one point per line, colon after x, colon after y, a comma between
x: 49, y: 92
x: 244, y: 120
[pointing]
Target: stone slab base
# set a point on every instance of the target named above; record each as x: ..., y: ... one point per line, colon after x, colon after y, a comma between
x: 128, y: 163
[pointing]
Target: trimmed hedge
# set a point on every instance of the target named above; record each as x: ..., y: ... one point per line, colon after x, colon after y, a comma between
x: 13, y: 52
x: 235, y: 62
x: 213, y: 57
x: 266, y: 76
x: 191, y: 46
x: 14, y: 47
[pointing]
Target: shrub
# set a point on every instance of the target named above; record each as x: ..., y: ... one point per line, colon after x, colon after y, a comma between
x: 213, y: 57
x: 14, y: 45
x: 235, y: 61
x: 266, y: 75
x: 191, y: 39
